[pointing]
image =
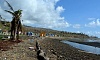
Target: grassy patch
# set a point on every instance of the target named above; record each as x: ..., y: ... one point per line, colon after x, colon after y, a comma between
x: 1, y: 36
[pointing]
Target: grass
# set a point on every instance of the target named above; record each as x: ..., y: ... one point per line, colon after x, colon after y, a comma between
x: 1, y: 36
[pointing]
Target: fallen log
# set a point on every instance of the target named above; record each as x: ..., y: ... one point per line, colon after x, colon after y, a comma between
x: 41, y: 55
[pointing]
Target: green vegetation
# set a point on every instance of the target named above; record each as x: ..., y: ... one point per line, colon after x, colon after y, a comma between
x: 4, y: 25
x: 15, y: 23
x: 50, y: 31
x: 58, y: 33
x: 1, y: 36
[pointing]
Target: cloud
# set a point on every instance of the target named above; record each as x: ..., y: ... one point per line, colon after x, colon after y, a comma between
x: 91, y: 18
x: 93, y: 23
x: 97, y: 32
x: 89, y: 32
x: 59, y: 9
x: 93, y: 33
x: 76, y: 26
x: 78, y: 32
x: 40, y: 13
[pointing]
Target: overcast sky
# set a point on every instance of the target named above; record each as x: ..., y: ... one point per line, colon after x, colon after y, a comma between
x: 67, y: 15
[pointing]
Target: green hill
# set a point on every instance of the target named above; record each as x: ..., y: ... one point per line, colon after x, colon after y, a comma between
x: 58, y: 33
x: 5, y: 25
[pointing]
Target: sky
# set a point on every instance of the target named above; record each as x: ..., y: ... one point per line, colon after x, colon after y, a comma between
x: 80, y: 16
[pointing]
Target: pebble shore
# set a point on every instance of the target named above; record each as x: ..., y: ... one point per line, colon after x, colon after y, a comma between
x: 66, y: 52
x: 54, y: 49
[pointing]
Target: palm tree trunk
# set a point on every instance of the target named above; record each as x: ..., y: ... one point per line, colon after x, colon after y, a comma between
x: 11, y: 36
x: 12, y: 31
x: 15, y: 33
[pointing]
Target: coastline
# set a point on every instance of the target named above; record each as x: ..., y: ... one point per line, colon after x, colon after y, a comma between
x: 53, y: 47
x: 64, y: 51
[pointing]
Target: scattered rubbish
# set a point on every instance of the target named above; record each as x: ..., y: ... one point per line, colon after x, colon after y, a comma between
x: 32, y: 48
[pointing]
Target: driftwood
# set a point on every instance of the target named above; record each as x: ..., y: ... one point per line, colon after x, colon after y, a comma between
x: 41, y: 55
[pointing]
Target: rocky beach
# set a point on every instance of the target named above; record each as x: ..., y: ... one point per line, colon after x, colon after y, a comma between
x: 66, y: 52
x: 53, y: 48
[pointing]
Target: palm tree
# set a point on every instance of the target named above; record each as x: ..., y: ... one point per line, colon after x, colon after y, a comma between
x: 0, y: 17
x: 16, y: 25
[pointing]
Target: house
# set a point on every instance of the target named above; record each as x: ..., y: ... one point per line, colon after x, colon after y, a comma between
x: 51, y: 35
x: 42, y: 34
x: 4, y: 32
x: 30, y: 34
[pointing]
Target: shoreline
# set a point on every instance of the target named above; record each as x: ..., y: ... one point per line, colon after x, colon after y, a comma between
x: 64, y: 51
x: 53, y: 47
x: 94, y: 44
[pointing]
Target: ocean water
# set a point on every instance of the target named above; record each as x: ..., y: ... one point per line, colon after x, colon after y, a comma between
x: 93, y: 41
x: 86, y: 48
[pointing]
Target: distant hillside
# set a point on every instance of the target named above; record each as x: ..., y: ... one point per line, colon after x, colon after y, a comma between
x: 59, y: 33
x: 4, y: 25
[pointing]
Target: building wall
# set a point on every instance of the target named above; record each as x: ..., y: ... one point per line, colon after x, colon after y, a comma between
x: 42, y: 34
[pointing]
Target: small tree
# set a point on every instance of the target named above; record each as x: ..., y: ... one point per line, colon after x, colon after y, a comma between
x: 16, y: 25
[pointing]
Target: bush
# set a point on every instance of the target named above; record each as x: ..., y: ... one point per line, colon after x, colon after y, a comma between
x: 1, y: 36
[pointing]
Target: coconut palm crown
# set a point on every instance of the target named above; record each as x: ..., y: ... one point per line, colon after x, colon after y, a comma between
x: 16, y: 25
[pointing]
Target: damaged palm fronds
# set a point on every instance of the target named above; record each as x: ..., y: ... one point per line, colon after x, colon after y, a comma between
x: 16, y: 25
